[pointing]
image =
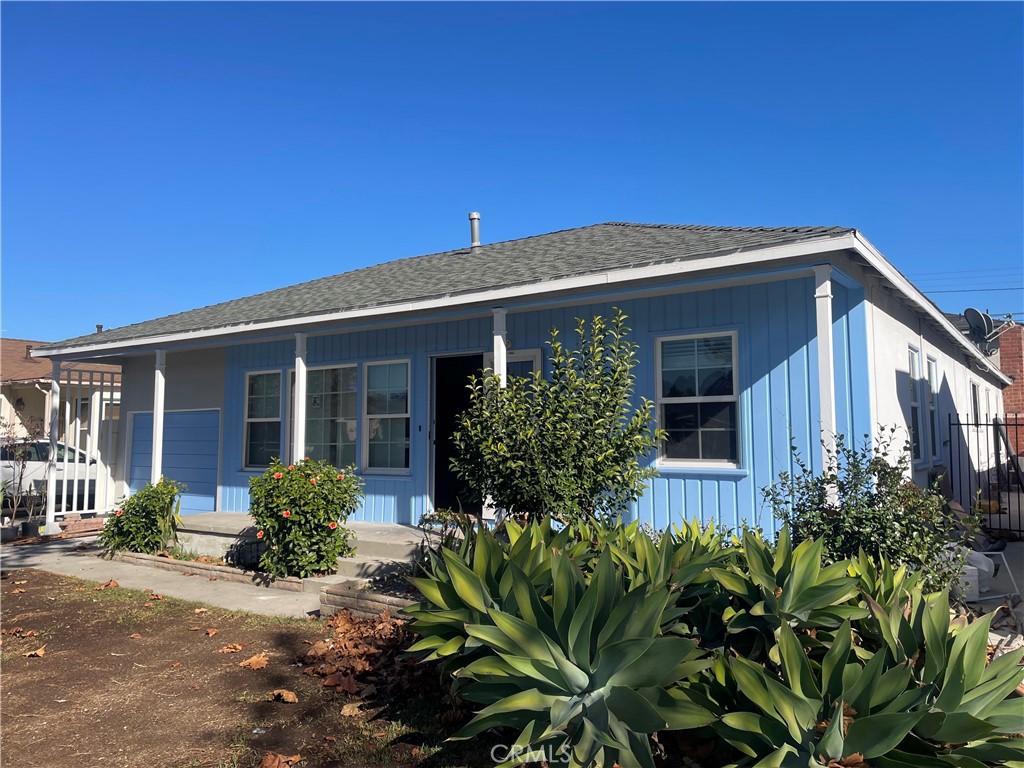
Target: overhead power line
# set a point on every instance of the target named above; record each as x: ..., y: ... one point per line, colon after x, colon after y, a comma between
x: 978, y: 290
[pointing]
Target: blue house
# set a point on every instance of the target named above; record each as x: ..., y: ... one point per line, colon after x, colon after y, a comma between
x: 752, y: 339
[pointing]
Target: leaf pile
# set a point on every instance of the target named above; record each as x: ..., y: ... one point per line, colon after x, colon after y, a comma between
x: 363, y: 655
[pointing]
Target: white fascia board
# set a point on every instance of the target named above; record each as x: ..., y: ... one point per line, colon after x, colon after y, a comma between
x: 919, y: 302
x: 492, y: 297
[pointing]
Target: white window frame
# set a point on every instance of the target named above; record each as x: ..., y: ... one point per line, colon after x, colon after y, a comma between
x: 976, y: 404
x: 247, y: 420
x: 660, y: 400
x: 914, y: 374
x: 932, y: 394
x: 290, y: 403
x: 364, y: 426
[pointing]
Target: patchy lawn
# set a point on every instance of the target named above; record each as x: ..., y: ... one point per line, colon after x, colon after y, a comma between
x: 127, y: 678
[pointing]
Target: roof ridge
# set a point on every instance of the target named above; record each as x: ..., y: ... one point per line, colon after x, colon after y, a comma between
x: 726, y: 228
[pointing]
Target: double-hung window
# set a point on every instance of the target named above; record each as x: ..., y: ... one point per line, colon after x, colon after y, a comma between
x: 698, y: 399
x: 914, y: 374
x: 262, y: 418
x: 386, y: 417
x: 331, y: 413
x: 932, y: 395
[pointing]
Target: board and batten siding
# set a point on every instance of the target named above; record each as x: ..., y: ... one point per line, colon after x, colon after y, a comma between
x: 778, y: 406
x: 389, y: 498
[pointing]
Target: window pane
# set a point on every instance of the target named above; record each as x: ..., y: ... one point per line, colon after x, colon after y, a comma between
x: 520, y: 368
x: 397, y: 376
x: 718, y: 445
x: 679, y: 354
x: 678, y: 383
x: 680, y: 416
x: 376, y: 402
x: 398, y: 402
x: 264, y: 442
x: 915, y: 431
x: 378, y: 456
x: 718, y: 416
x: 714, y: 352
x: 682, y: 444
x: 376, y: 377
x: 715, y: 382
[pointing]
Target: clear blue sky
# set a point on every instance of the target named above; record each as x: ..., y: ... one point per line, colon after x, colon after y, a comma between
x: 163, y: 156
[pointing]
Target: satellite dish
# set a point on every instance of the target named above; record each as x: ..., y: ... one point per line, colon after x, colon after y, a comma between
x: 983, y: 329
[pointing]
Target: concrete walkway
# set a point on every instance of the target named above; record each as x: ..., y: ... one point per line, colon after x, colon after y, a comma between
x: 65, y: 557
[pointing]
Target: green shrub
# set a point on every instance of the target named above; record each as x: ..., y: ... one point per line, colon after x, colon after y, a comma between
x: 299, y: 511
x: 146, y: 521
x: 569, y: 446
x: 865, y: 501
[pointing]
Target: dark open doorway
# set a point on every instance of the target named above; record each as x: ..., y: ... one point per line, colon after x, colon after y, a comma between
x: 451, y: 398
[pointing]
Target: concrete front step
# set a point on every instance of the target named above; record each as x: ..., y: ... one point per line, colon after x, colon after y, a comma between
x: 215, y: 533
x: 363, y: 567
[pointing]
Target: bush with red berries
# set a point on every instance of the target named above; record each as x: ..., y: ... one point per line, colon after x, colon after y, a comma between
x: 299, y: 511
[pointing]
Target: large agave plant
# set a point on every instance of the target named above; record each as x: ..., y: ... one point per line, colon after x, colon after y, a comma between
x: 572, y: 649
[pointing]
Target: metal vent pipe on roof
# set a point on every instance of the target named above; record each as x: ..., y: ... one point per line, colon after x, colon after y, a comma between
x: 474, y: 230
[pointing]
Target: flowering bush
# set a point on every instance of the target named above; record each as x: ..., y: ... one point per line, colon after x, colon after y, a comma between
x: 145, y: 521
x: 299, y: 510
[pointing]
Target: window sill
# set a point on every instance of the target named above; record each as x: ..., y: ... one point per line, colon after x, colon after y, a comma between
x: 720, y: 470
x: 388, y: 474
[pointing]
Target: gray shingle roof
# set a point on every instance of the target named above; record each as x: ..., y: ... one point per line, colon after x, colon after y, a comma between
x: 568, y: 253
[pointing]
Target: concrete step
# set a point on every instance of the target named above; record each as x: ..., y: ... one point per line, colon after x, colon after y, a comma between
x: 364, y: 567
x: 386, y: 540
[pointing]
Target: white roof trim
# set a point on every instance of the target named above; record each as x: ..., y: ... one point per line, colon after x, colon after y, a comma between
x: 492, y: 297
x: 921, y: 303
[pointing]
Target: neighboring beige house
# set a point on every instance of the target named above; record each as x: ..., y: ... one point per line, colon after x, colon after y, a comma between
x: 25, y: 391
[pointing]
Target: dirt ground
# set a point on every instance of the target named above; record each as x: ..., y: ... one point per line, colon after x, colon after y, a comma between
x: 130, y: 679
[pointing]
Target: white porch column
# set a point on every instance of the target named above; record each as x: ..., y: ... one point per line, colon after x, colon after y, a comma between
x: 299, y: 429
x: 826, y: 359
x: 156, y: 472
x: 51, y: 464
x: 500, y: 346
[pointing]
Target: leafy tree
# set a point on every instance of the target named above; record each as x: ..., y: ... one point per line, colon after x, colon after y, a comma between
x: 569, y: 446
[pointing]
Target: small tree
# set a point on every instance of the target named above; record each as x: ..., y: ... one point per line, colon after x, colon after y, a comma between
x: 17, y: 442
x: 569, y: 446
x: 864, y: 501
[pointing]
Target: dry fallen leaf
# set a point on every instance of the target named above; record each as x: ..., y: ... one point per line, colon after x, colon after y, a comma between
x: 135, y: 636
x: 274, y: 760
x: 259, y: 661
x: 23, y: 581
x: 231, y: 648
x: 212, y: 631
x: 18, y: 590
x: 11, y: 631
x: 341, y: 681
x: 351, y: 709
x: 194, y: 629
x: 147, y: 605
x: 175, y: 665
x: 201, y: 610
x: 28, y: 633
x: 155, y: 596
x: 110, y: 583
x: 283, y: 695
x: 40, y: 651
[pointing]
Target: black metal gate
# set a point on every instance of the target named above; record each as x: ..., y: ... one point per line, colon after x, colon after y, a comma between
x: 986, y: 472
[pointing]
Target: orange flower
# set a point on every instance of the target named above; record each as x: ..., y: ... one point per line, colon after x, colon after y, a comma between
x: 312, y: 480
x: 291, y: 467
x: 120, y: 512
x: 332, y: 525
x: 286, y: 513
x: 278, y: 475
x: 341, y: 476
x: 259, y: 534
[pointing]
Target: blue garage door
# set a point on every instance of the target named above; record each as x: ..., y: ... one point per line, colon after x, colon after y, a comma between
x: 191, y: 443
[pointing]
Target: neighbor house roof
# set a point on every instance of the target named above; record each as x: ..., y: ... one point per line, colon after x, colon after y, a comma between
x: 571, y: 252
x: 17, y: 365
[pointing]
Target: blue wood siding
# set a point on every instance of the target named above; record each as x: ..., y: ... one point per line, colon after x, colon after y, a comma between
x: 777, y: 361
x: 191, y: 447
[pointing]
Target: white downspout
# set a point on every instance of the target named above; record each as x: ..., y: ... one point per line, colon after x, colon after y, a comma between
x: 156, y: 471
x: 826, y: 360
x: 51, y: 463
x: 299, y: 433
x: 500, y: 346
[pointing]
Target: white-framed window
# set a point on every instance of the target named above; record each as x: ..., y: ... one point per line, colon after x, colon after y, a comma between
x: 914, y: 374
x: 386, y: 417
x: 331, y: 414
x: 262, y: 418
x: 932, y: 402
x: 976, y: 403
x: 698, y: 399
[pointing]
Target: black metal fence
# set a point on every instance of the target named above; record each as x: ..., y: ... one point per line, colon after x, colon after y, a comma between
x: 987, y: 469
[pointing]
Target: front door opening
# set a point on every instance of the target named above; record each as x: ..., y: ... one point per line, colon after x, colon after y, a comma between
x: 451, y: 398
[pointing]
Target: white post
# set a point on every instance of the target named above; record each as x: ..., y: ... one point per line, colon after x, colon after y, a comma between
x: 500, y: 346
x: 826, y: 359
x: 92, y: 442
x: 299, y: 433
x: 156, y: 472
x: 51, y: 463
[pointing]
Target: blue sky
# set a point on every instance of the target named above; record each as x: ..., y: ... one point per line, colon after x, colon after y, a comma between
x: 163, y: 156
